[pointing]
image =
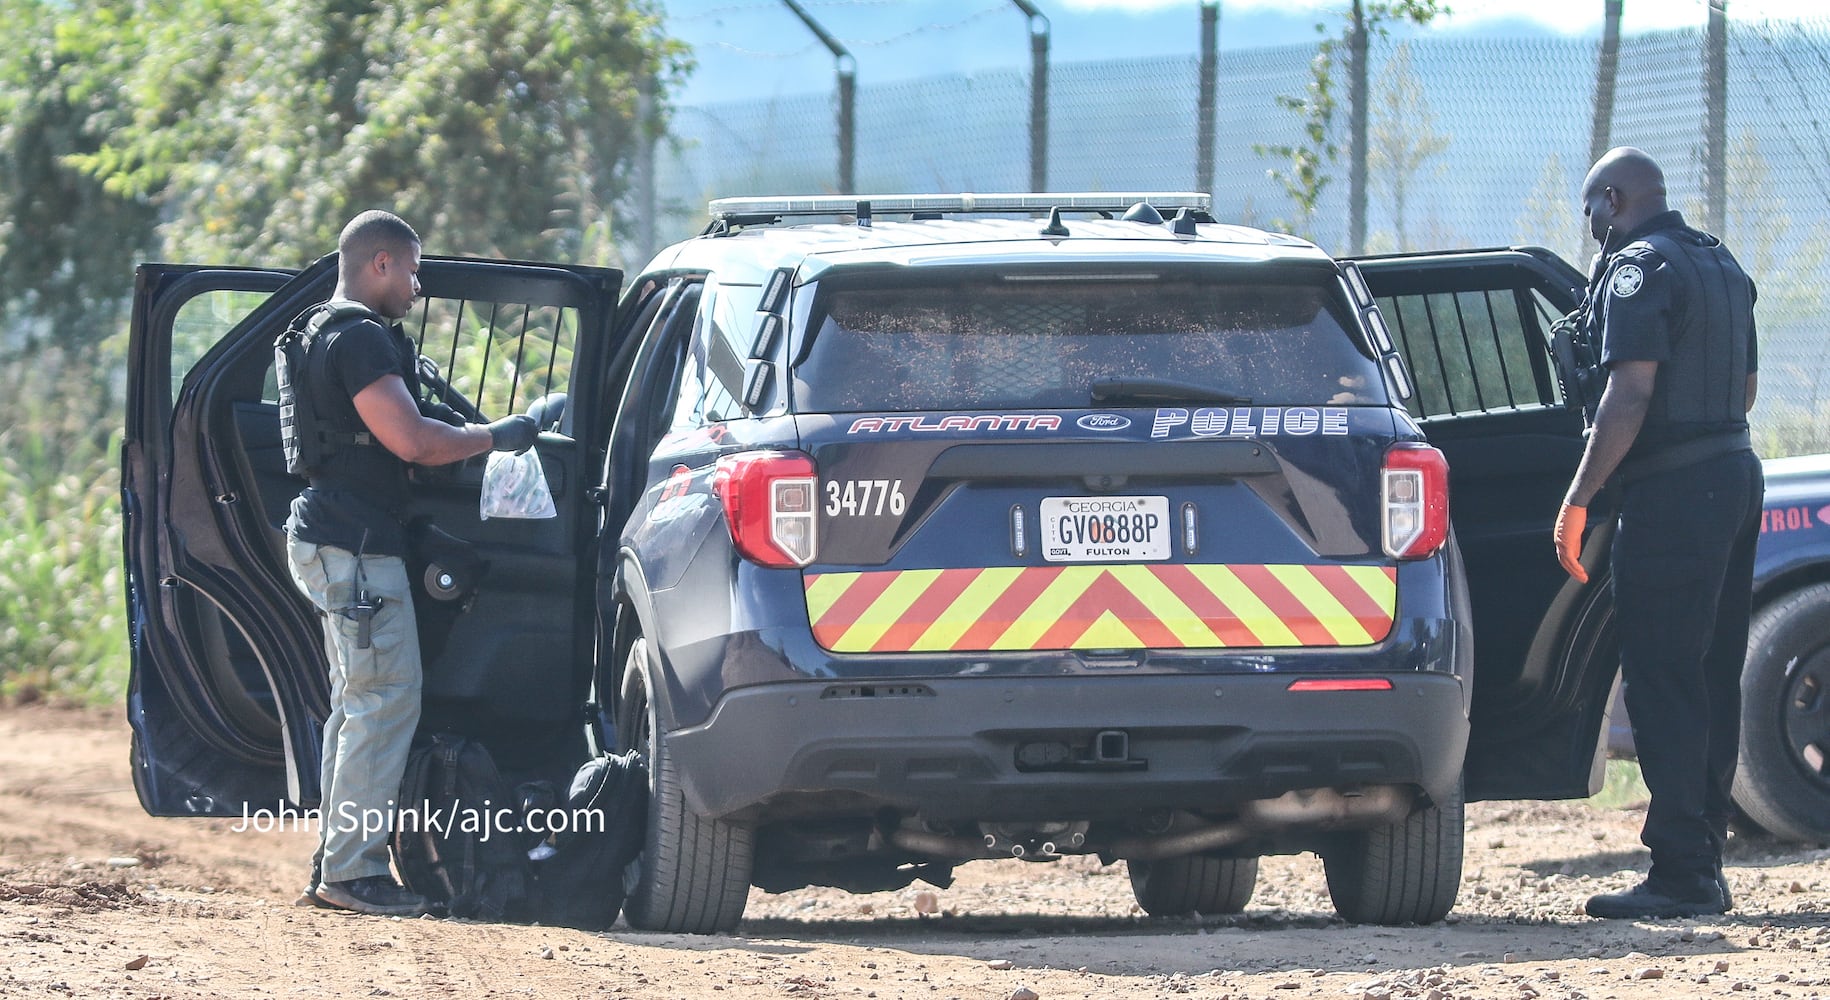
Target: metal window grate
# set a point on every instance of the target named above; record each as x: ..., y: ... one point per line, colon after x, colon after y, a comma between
x: 1471, y: 352
x: 499, y: 356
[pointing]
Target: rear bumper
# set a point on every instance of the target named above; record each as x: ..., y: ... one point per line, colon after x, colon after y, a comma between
x: 1028, y: 748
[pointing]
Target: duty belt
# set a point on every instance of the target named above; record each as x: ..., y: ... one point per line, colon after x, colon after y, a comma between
x: 1684, y: 453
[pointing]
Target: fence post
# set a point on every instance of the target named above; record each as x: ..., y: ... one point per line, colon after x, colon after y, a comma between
x: 847, y: 70
x: 1356, y: 169
x: 1608, y: 66
x: 848, y: 93
x: 1715, y: 111
x: 1210, y: 72
x: 1038, y: 95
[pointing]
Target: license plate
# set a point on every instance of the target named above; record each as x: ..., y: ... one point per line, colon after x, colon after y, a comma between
x: 1105, y: 529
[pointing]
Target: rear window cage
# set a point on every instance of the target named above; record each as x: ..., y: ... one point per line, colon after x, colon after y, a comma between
x: 1474, y: 351
x: 500, y: 356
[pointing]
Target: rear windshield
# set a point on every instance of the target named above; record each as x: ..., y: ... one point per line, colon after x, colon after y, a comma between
x: 894, y: 343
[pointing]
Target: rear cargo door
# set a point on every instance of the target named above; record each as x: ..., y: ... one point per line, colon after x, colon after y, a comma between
x: 1472, y: 327
x: 228, y: 690
x: 1109, y: 468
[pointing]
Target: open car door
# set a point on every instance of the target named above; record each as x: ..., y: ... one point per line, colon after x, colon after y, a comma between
x: 1473, y: 328
x: 228, y: 691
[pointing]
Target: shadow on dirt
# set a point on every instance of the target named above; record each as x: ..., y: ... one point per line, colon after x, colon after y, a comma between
x: 1250, y: 942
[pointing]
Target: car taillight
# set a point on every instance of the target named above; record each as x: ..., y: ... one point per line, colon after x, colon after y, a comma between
x: 768, y: 499
x: 1414, y: 501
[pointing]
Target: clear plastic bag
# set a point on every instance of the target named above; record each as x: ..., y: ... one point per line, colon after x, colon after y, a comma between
x: 515, y: 486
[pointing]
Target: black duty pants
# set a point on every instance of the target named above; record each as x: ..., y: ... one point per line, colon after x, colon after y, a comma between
x: 1683, y: 563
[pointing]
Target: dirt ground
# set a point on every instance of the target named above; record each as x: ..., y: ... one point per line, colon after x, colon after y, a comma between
x: 99, y: 900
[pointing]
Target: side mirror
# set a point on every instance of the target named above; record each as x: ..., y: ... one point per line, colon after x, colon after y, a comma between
x: 548, y: 410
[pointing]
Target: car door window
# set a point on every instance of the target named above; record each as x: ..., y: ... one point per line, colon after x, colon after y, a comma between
x: 201, y: 323
x: 712, y: 380
x: 1475, y: 351
x: 657, y: 385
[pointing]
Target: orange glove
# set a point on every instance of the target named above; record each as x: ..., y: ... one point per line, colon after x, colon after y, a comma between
x: 1570, y: 522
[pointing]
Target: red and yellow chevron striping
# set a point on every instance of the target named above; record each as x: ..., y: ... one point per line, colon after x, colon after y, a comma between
x: 1154, y: 606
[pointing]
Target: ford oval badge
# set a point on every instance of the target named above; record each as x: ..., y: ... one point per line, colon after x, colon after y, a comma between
x: 1103, y: 422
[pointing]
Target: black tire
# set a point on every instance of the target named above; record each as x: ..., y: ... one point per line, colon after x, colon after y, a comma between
x: 1405, y: 873
x: 694, y: 873
x: 1783, y: 781
x: 1194, y: 883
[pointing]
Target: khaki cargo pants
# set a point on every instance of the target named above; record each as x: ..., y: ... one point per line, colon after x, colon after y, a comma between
x: 374, y: 703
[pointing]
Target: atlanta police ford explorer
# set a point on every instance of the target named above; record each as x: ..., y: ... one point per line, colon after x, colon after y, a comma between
x: 904, y: 531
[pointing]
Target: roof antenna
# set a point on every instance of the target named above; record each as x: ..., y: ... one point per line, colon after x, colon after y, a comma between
x: 1184, y: 224
x: 1143, y: 212
x: 1054, y: 227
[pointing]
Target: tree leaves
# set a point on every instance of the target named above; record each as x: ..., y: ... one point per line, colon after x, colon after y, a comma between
x: 250, y: 130
x: 1303, y: 167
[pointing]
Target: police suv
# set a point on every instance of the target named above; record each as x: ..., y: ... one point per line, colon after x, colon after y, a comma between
x: 903, y: 531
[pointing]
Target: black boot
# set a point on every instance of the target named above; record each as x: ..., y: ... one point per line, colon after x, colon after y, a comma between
x: 376, y: 894
x: 1659, y: 900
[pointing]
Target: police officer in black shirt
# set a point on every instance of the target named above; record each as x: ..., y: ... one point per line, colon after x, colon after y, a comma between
x: 346, y: 544
x: 1673, y: 313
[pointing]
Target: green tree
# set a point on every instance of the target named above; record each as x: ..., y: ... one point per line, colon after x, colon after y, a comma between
x: 247, y: 131
x: 1303, y: 167
x: 497, y: 128
x: 67, y: 239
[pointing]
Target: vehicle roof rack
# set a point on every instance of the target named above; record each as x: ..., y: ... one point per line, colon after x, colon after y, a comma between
x: 733, y: 212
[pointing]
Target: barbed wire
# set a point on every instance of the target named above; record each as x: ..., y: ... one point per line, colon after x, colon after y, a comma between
x: 1782, y: 118
x: 927, y: 28
x: 1515, y: 113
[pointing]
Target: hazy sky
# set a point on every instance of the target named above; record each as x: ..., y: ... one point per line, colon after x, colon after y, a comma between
x: 1567, y: 16
x: 748, y: 49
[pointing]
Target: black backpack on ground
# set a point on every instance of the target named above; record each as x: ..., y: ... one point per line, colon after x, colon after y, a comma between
x: 448, y: 842
x: 580, y: 883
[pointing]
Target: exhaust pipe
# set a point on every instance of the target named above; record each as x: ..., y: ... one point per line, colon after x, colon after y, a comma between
x: 1317, y: 808
x: 1320, y: 808
x: 941, y: 845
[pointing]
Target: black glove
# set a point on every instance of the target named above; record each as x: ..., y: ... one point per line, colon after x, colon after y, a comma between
x: 514, y: 433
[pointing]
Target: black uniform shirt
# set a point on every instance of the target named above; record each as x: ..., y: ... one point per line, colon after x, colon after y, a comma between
x: 361, y: 489
x: 1677, y: 296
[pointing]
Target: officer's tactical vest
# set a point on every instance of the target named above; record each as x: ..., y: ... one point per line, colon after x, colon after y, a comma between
x: 1705, y: 382
x: 306, y: 435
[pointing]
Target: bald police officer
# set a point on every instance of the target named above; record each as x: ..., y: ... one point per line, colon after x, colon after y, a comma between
x: 1673, y: 313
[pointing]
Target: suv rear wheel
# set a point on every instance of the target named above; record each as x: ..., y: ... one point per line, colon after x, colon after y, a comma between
x: 1194, y: 883
x: 1405, y: 873
x: 1783, y: 784
x: 694, y: 873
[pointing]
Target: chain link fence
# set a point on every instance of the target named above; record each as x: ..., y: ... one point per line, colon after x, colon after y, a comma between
x: 1471, y: 142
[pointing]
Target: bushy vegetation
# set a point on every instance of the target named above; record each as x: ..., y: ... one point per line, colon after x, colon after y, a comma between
x: 247, y: 132
x: 62, y: 624
x: 1622, y: 788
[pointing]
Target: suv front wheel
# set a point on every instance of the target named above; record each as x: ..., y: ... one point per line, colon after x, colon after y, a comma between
x: 694, y: 873
x: 1405, y: 873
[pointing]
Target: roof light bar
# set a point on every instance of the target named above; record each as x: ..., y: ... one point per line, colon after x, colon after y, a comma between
x: 895, y: 204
